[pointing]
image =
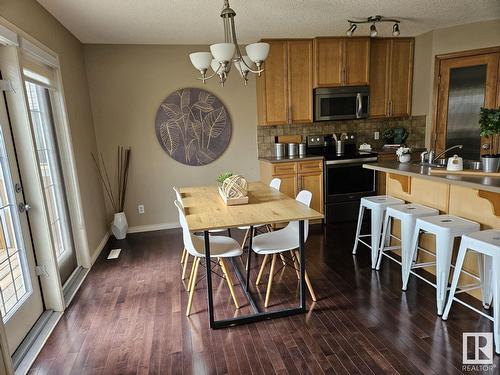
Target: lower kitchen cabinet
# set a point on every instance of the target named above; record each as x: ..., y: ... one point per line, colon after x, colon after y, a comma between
x: 288, y: 184
x: 296, y: 176
x: 314, y: 183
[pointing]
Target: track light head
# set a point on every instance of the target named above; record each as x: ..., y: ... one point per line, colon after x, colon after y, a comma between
x: 351, y: 29
x: 373, y: 31
x: 395, y: 29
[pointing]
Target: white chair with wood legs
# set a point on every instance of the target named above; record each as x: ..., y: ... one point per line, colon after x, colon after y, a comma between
x: 185, y: 254
x: 280, y: 241
x: 445, y: 228
x: 377, y: 205
x: 275, y: 184
x: 221, y: 247
x: 486, y: 244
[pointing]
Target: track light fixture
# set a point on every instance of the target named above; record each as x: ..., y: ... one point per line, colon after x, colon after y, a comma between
x: 353, y: 24
x: 351, y: 29
x: 395, y: 29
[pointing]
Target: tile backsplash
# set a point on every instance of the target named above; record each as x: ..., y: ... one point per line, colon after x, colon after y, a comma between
x: 363, y: 128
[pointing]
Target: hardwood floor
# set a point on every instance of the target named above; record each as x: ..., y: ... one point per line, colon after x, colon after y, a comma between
x: 129, y: 318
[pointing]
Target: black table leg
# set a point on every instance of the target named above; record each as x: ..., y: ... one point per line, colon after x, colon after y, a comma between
x: 302, y: 266
x: 250, y: 240
x: 257, y: 316
x: 209, y: 279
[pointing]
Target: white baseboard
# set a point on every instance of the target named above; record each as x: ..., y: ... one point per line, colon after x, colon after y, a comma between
x: 152, y: 227
x: 99, y: 249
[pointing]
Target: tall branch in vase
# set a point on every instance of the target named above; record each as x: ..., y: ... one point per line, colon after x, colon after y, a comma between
x: 116, y: 195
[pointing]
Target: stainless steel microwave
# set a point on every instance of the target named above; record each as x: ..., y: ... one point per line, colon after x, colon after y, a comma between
x: 340, y: 103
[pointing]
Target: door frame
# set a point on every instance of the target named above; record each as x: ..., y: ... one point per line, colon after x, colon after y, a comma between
x: 438, y: 59
x: 13, y: 43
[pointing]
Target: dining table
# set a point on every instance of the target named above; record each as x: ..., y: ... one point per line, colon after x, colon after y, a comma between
x: 205, y: 211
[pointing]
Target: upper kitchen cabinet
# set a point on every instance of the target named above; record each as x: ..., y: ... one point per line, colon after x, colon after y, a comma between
x: 272, y: 86
x: 391, y: 74
x: 341, y: 61
x: 284, y: 91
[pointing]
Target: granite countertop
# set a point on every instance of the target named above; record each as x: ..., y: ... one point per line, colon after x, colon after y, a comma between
x: 414, y: 170
x: 390, y: 151
x: 274, y: 159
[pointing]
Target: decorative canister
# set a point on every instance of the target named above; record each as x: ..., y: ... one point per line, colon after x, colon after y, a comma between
x: 279, y: 150
x: 302, y: 149
x: 293, y: 149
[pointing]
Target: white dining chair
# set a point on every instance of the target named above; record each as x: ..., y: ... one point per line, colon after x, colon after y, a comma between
x: 281, y: 241
x: 221, y: 247
x: 274, y: 184
x: 185, y: 254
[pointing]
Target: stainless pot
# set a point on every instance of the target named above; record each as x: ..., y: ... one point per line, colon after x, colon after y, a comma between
x: 490, y: 164
x: 279, y: 150
x: 293, y: 149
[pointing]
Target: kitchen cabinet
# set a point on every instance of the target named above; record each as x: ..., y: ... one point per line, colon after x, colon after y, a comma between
x: 314, y: 183
x: 391, y: 77
x: 284, y: 91
x: 341, y: 61
x: 296, y: 176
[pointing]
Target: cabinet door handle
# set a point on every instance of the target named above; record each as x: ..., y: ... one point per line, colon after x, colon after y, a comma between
x: 390, y: 109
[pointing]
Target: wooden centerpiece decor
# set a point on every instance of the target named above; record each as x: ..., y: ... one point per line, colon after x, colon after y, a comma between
x: 234, y: 190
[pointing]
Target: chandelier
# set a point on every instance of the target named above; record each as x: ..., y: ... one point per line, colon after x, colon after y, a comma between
x: 221, y: 55
x: 373, y: 29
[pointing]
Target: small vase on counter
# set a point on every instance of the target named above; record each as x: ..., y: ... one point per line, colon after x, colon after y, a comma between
x: 404, y: 154
x: 119, y: 226
x: 405, y: 158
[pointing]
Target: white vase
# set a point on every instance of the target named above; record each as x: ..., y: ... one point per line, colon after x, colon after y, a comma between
x: 119, y: 226
x: 405, y: 158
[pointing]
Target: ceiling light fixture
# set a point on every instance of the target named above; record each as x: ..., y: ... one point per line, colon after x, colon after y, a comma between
x: 221, y: 55
x: 373, y: 29
x: 351, y: 29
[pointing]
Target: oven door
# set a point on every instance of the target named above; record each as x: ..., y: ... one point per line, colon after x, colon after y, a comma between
x: 348, y: 181
x: 345, y: 185
x: 340, y: 106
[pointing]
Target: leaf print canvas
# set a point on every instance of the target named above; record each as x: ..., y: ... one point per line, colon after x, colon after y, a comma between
x: 193, y: 126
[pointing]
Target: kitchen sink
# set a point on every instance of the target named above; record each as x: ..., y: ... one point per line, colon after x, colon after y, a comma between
x: 442, y: 163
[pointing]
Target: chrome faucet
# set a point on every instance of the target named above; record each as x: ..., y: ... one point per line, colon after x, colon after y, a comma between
x: 433, y: 157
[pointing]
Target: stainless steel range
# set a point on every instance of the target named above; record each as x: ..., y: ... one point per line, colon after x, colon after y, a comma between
x: 345, y: 180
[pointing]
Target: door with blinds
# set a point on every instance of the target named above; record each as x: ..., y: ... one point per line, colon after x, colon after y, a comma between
x: 39, y: 87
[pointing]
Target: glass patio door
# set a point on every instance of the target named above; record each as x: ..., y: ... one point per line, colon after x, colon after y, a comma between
x: 50, y: 170
x: 20, y: 296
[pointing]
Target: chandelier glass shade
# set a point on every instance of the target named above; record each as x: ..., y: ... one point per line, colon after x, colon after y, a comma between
x: 223, y: 55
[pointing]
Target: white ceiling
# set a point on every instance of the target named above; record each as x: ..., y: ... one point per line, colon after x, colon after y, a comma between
x: 198, y: 21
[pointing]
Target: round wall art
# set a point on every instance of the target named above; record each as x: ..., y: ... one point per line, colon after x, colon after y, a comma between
x: 193, y: 126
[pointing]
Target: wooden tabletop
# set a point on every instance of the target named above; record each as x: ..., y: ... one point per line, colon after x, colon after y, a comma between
x: 205, y: 209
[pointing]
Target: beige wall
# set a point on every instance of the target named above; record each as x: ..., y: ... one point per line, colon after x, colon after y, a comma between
x: 127, y: 84
x: 440, y: 41
x: 30, y: 17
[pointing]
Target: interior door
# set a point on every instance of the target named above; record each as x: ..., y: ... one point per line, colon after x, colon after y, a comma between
x: 20, y: 296
x: 465, y: 85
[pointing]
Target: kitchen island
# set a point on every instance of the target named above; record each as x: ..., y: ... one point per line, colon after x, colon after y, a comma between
x: 475, y: 198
